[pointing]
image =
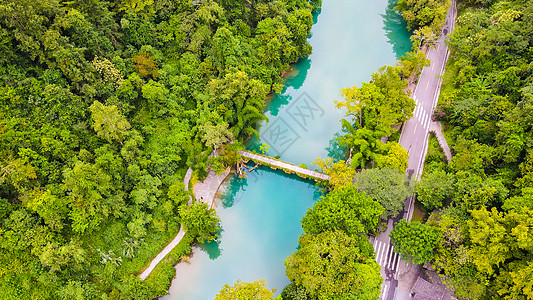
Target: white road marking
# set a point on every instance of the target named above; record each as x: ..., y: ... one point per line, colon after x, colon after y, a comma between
x: 382, y: 254
x: 385, y: 288
x: 396, y: 267
x: 393, y: 260
x: 387, y: 257
x: 392, y: 256
x: 416, y: 125
x: 381, y: 248
x: 378, y: 250
x: 427, y: 85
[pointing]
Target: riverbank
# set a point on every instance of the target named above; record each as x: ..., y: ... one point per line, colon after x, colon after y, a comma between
x: 260, y: 215
x: 204, y: 191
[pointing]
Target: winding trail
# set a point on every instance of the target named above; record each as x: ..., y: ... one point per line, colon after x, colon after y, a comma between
x: 436, y: 128
x: 204, y: 191
x: 161, y: 255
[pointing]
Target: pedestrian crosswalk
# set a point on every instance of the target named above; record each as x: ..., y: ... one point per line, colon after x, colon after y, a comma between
x: 385, y: 256
x: 421, y: 114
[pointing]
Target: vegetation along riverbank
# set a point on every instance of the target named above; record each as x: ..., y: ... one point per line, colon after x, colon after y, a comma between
x: 104, y: 106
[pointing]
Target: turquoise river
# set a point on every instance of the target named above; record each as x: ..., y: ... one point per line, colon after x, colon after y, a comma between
x: 260, y: 215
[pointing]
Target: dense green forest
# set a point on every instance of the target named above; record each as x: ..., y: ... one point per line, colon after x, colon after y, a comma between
x: 106, y: 104
x: 103, y: 107
x: 478, y: 232
x: 485, y: 247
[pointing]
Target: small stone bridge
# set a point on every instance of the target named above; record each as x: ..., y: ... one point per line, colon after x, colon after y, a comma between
x: 276, y: 163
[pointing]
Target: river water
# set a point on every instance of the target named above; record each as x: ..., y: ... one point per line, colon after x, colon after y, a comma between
x: 260, y: 215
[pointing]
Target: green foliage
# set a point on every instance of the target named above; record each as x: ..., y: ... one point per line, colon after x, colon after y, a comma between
x: 216, y: 135
x: 294, y: 292
x: 380, y: 104
x: 486, y: 107
x: 343, y: 209
x: 473, y: 191
x: 374, y: 108
x: 424, y: 17
x: 452, y: 258
x: 511, y: 283
x: 246, y: 291
x: 388, y: 187
x: 239, y: 100
x: 366, y: 144
x: 411, y: 64
x: 434, y: 188
x: 264, y: 148
x: 200, y: 221
x: 341, y: 176
x: 415, y: 241
x: 103, y: 107
x: 333, y: 265
x: 396, y: 158
x: 108, y: 122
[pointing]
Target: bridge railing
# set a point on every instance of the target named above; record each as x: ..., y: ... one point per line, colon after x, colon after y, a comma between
x: 285, y: 166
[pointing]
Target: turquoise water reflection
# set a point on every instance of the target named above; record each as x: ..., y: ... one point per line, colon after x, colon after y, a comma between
x: 261, y: 214
x: 351, y: 39
x: 260, y: 228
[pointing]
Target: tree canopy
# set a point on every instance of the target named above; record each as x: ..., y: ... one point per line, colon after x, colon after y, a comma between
x: 256, y: 290
x: 415, y: 241
x: 333, y: 265
x: 389, y: 187
x: 344, y: 209
x: 485, y: 107
x: 374, y: 110
x: 104, y: 105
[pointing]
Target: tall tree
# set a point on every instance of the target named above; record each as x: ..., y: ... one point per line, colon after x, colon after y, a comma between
x: 380, y: 104
x: 340, y: 174
x: 344, y: 209
x: 256, y: 290
x: 434, y: 188
x: 216, y: 135
x: 415, y: 241
x: 395, y: 158
x: 389, y: 187
x: 200, y: 220
x: 332, y: 265
x: 109, y: 123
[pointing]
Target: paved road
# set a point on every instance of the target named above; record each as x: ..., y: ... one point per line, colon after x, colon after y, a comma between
x: 415, y: 131
x: 414, y: 138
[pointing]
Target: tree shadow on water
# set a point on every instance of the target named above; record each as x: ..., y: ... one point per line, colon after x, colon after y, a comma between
x: 234, y: 191
x: 396, y: 30
x: 279, y: 101
x: 293, y: 81
x: 212, y: 248
x: 335, y: 150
